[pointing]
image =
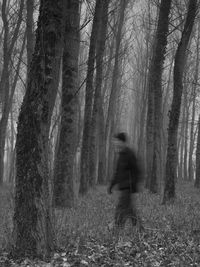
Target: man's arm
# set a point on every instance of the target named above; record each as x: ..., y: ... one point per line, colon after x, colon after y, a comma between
x: 114, y: 179
x: 136, y: 171
x: 112, y: 184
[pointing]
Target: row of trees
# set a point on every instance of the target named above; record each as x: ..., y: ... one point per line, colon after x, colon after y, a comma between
x: 138, y: 72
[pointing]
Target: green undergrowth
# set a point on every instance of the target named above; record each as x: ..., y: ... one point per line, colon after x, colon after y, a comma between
x: 171, y: 235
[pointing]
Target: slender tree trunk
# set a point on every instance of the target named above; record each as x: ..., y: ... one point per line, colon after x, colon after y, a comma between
x: 142, y: 130
x: 30, y: 32
x: 143, y: 104
x: 5, y: 77
x: 197, y: 178
x: 102, y: 176
x: 102, y: 146
x: 89, y: 95
x: 181, y: 142
x: 185, y: 159
x: 33, y: 233
x: 64, y: 160
x: 114, y: 89
x: 9, y: 103
x: 180, y: 61
x: 191, y: 147
x: 192, y: 136
x: 95, y: 130
x: 12, y: 152
x: 108, y: 68
x: 3, y: 129
x: 149, y: 138
x: 165, y: 109
x: 155, y: 98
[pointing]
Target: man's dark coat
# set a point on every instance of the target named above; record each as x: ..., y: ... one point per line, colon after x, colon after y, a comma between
x: 127, y: 174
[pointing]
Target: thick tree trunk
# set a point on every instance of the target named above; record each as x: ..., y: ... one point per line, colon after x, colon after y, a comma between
x: 154, y: 116
x: 33, y: 233
x: 89, y: 96
x: 64, y: 159
x: 180, y: 61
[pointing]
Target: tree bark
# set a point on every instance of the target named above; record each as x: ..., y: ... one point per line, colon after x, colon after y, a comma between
x: 102, y: 146
x: 185, y: 161
x: 89, y: 97
x: 181, y: 143
x: 194, y: 92
x: 64, y: 160
x: 114, y: 90
x: 9, y: 105
x: 154, y: 116
x: 30, y: 32
x: 95, y: 130
x: 197, y: 178
x: 33, y: 233
x: 180, y: 61
x: 5, y: 78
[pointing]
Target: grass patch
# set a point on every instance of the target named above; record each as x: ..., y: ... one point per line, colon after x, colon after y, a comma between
x: 171, y: 236
x: 6, y: 215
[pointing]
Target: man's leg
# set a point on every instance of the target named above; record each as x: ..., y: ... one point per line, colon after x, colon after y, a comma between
x: 133, y: 210
x: 123, y: 209
x: 135, y: 219
x: 119, y: 218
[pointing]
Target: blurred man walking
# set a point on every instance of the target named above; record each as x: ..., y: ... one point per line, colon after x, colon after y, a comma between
x: 126, y: 179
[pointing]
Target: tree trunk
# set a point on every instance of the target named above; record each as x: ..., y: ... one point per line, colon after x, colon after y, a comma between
x: 181, y: 143
x: 89, y: 95
x: 33, y: 233
x: 95, y: 130
x: 197, y: 178
x: 11, y: 170
x: 102, y: 146
x: 64, y: 159
x: 5, y: 77
x: 30, y: 32
x: 192, y: 137
x: 143, y: 103
x: 185, y: 161
x: 180, y: 61
x: 154, y: 116
x: 114, y: 89
x: 9, y: 103
x: 191, y: 147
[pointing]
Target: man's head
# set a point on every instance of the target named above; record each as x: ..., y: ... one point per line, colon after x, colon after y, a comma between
x: 120, y: 140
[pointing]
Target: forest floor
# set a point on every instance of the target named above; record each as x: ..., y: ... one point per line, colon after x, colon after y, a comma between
x: 171, y: 235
